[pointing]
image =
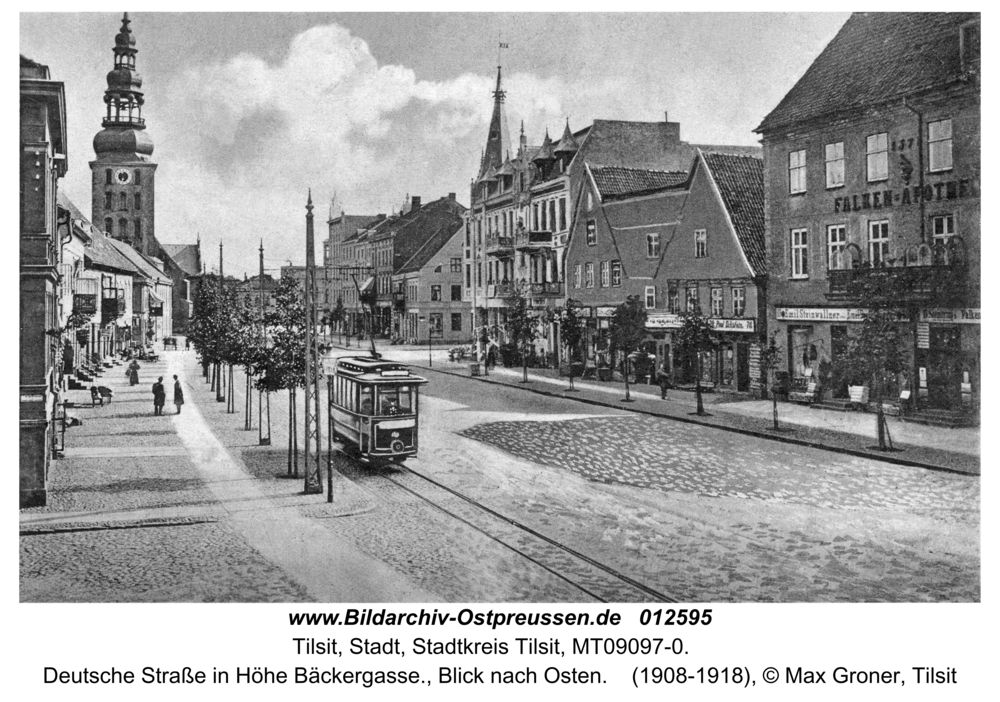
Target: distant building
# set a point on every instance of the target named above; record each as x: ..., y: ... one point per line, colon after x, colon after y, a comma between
x: 876, y: 171
x: 42, y: 157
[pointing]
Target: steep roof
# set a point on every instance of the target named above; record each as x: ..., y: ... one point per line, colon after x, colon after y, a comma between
x: 418, y: 226
x: 103, y: 254
x: 875, y: 58
x: 146, y: 267
x: 618, y: 181
x: 186, y: 256
x: 435, y: 242
x: 740, y: 180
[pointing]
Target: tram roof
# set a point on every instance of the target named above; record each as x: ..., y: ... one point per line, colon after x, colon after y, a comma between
x: 368, y: 368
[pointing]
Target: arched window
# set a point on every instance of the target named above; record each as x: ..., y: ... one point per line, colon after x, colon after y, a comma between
x: 138, y: 200
x: 107, y: 176
x: 122, y: 228
x: 138, y: 228
x: 107, y: 226
x: 123, y: 201
x: 138, y: 178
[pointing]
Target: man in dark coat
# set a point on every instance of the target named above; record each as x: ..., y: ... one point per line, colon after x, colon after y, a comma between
x: 663, y: 380
x: 159, y: 396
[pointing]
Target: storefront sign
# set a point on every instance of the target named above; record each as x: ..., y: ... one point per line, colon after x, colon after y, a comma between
x: 817, y: 314
x: 732, y: 325
x: 659, y: 320
x: 965, y: 315
x: 604, y: 311
x: 945, y: 190
x: 923, y: 335
x: 662, y: 320
x: 85, y: 304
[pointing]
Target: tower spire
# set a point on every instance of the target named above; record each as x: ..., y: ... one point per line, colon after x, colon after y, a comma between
x: 498, y: 139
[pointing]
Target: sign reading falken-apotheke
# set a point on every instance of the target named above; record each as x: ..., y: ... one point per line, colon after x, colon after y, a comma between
x: 944, y: 190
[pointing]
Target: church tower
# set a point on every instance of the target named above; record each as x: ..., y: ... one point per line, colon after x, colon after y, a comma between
x: 122, y: 175
x: 498, y: 139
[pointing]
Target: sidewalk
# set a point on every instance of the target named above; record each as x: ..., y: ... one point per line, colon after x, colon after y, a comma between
x: 853, y: 433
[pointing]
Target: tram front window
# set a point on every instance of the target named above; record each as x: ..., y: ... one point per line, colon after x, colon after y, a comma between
x: 394, y: 400
x: 365, y: 399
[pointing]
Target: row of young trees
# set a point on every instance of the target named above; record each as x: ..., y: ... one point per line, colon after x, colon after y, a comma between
x: 228, y: 330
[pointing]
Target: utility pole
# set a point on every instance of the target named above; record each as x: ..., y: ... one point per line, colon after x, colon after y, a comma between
x: 262, y: 439
x: 219, y: 397
x: 314, y: 480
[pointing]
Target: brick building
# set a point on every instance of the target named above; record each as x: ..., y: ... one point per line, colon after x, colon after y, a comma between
x: 877, y: 172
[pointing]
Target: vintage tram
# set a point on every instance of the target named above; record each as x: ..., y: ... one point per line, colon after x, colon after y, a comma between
x: 374, y: 407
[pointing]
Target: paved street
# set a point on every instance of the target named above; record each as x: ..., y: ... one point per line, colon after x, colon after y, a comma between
x: 191, y: 508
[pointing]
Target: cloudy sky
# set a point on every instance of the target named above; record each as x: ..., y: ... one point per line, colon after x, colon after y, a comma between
x: 247, y: 111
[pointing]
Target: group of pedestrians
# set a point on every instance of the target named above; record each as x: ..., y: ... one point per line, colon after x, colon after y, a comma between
x: 160, y: 395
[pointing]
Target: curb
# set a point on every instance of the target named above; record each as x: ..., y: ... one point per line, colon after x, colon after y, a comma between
x: 858, y: 453
x: 78, y: 526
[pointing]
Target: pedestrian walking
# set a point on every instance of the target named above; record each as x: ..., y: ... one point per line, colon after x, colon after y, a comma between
x: 178, y: 394
x: 187, y: 343
x: 491, y: 357
x: 663, y: 380
x: 133, y: 372
x: 159, y: 396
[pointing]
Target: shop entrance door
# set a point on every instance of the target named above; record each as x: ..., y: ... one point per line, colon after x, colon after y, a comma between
x: 743, y: 367
x: 943, y: 361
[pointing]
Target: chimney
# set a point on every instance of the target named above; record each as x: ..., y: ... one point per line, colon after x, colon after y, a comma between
x: 414, y: 202
x: 666, y: 116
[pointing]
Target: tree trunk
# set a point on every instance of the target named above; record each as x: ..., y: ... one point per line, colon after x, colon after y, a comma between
x: 295, y: 436
x: 628, y: 396
x: 230, y: 393
x: 213, y: 378
x: 248, y: 405
x: 774, y: 401
x: 524, y: 364
x: 697, y: 384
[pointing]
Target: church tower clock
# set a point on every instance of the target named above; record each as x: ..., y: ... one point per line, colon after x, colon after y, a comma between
x: 123, y: 175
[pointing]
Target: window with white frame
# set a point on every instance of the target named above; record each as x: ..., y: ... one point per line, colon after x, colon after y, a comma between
x: 591, y: 232
x: 673, y: 299
x: 650, y: 297
x: 700, y: 243
x: 797, y: 171
x: 877, y: 148
x: 939, y: 141
x: 835, y: 164
x: 616, y: 274
x: 653, y: 245
x: 590, y: 275
x: 739, y: 302
x: 943, y: 227
x: 691, y: 301
x: 605, y: 273
x: 878, y: 242
x: 577, y: 276
x: 718, y: 309
x: 836, y: 242
x: 800, y: 253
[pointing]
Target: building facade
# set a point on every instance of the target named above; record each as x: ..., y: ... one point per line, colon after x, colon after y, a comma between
x: 872, y: 176
x: 42, y: 157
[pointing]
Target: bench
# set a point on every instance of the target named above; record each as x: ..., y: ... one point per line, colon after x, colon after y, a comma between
x: 804, y: 390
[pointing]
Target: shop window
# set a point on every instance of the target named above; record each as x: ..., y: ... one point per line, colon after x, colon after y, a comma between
x: 577, y: 276
x: 877, y: 147
x: 800, y: 253
x: 435, y: 293
x: 878, y: 242
x: 739, y: 302
x: 591, y: 232
x: 436, y: 323
x: 717, y: 304
x: 836, y: 243
x: 797, y: 171
x: 943, y: 227
x: 590, y: 275
x: 835, y: 165
x: 653, y: 245
x: 616, y: 274
x: 939, y: 141
x: 700, y: 243
x: 650, y: 297
x: 605, y: 273
x: 456, y: 321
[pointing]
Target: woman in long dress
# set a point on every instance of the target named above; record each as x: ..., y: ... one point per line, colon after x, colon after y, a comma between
x: 178, y: 394
x: 133, y: 372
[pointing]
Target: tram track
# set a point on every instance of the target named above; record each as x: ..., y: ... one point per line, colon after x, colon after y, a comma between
x: 591, y: 577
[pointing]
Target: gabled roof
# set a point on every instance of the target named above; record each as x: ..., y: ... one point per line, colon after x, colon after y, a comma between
x: 740, y: 180
x: 82, y: 224
x: 437, y: 241
x: 875, y: 58
x: 186, y: 256
x: 142, y: 264
x: 102, y: 253
x: 618, y: 181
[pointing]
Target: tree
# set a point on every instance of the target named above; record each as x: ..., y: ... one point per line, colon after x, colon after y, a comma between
x: 522, y: 326
x: 695, y: 337
x: 876, y: 353
x: 201, y: 328
x: 571, y: 328
x: 627, y: 331
x: 283, y: 362
x: 769, y: 359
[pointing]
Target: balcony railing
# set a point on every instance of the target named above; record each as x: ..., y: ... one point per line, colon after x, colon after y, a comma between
x: 499, y: 290
x: 111, y: 309
x: 545, y: 289
x: 933, y: 275
x: 533, y: 241
x: 499, y: 245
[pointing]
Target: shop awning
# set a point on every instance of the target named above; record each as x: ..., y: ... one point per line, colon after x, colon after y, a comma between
x: 367, y: 284
x: 155, y: 299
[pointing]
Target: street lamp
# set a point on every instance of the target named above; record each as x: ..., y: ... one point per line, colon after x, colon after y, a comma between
x: 430, y: 361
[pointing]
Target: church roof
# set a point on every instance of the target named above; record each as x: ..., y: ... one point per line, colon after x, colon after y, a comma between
x: 186, y: 256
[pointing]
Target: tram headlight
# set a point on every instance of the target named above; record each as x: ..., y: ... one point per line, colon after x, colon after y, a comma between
x: 397, y: 446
